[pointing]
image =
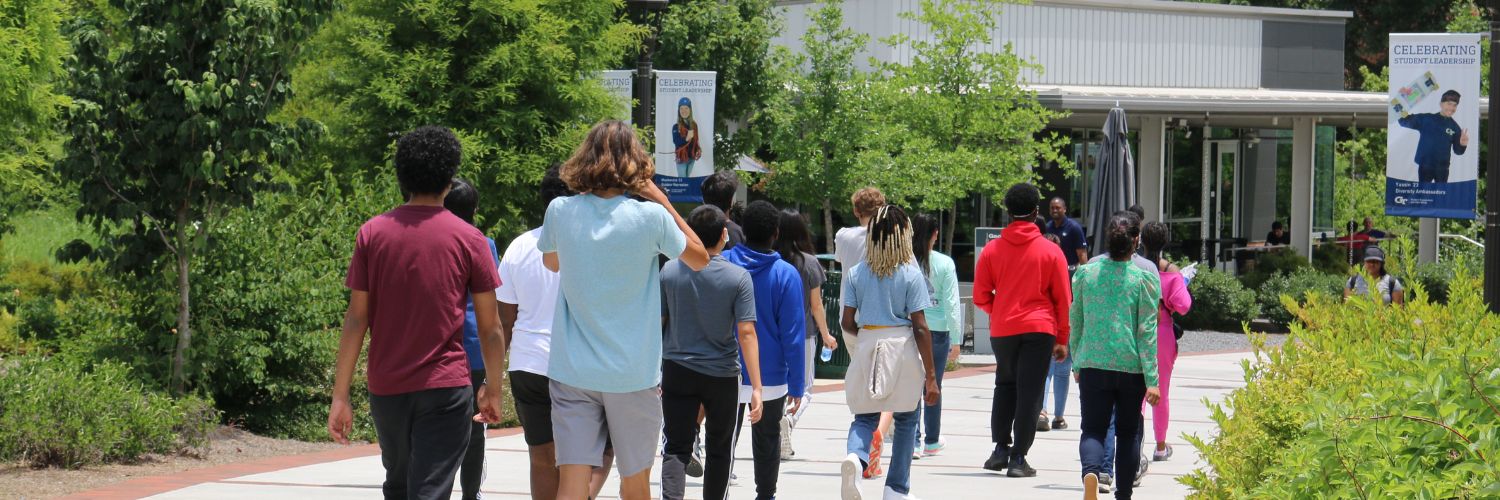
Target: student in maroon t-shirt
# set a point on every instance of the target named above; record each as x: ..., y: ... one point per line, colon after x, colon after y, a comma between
x: 413, y: 270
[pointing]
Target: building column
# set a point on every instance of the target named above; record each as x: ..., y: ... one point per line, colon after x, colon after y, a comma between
x: 1427, y: 240
x: 1152, y: 167
x: 1304, y: 139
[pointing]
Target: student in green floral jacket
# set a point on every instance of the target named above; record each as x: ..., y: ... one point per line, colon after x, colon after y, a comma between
x: 1114, y: 354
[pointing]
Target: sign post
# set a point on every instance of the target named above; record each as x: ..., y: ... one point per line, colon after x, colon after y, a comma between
x: 1492, y: 193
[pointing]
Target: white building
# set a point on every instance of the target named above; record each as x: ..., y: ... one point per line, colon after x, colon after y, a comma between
x: 1232, y: 109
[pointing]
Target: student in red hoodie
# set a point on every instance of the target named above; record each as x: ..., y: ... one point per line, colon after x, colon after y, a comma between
x: 1028, y: 325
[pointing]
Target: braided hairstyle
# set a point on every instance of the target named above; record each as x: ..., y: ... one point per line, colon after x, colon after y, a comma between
x: 888, y: 241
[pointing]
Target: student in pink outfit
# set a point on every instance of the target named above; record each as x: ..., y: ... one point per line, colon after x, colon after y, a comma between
x: 1175, y: 299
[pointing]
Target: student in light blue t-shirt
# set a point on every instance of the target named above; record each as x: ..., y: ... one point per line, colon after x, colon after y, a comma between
x: 605, y: 362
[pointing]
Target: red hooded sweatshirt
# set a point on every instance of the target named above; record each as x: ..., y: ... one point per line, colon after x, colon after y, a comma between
x: 1021, y: 281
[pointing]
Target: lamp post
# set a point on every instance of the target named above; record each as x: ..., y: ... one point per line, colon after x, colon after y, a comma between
x: 1492, y: 173
x: 649, y: 12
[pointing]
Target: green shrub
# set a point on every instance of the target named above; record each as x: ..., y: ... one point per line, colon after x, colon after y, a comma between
x: 1220, y: 303
x: 273, y: 305
x: 54, y: 413
x: 1367, y: 401
x: 1331, y: 259
x: 1296, y: 286
x: 1268, y: 264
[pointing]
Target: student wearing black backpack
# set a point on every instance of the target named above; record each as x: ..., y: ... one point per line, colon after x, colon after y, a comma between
x: 1389, y: 288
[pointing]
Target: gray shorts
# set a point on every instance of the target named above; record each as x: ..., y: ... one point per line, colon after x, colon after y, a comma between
x: 583, y: 421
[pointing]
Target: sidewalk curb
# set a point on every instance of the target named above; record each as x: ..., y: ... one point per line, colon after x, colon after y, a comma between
x: 155, y: 485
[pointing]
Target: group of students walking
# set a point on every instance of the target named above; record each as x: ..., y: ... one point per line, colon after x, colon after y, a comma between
x: 1109, y: 321
x: 624, y: 322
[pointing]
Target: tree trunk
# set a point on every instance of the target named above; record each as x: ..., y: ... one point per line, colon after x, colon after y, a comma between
x: 184, y: 324
x: 827, y: 226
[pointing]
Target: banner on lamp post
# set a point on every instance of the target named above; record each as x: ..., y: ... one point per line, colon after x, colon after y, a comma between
x: 1432, y: 140
x: 684, y: 133
x: 620, y: 83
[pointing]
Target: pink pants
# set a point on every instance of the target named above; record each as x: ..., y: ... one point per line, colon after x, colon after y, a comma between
x: 1166, y: 356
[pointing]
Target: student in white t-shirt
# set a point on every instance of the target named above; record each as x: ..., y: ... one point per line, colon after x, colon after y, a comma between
x: 528, y: 297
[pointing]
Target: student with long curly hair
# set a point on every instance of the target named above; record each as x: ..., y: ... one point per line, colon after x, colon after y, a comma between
x: 891, y: 359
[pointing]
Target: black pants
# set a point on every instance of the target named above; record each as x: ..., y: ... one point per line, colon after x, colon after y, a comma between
x: 1021, y: 366
x: 765, y: 444
x: 423, y: 437
x: 1432, y: 172
x: 1102, y: 394
x: 682, y: 391
x: 472, y: 474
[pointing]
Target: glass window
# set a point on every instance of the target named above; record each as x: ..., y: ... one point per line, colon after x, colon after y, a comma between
x: 1323, y: 174
x: 1185, y: 182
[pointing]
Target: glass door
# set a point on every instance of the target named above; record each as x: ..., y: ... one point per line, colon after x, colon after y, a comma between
x: 1225, y: 194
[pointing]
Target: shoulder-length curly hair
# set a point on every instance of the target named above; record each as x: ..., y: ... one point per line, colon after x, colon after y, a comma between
x: 610, y: 157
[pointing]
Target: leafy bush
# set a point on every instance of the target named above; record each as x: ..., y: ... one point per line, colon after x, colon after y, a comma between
x: 1268, y: 264
x: 1368, y: 401
x: 1296, y: 285
x: 271, y: 303
x: 55, y: 413
x: 1220, y: 302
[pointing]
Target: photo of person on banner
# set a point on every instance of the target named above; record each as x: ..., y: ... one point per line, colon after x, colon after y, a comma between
x: 1441, y: 138
x: 685, y: 138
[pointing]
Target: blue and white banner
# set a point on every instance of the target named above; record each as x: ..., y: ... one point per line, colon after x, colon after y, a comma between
x: 1432, y: 140
x: 684, y: 132
x: 621, y: 85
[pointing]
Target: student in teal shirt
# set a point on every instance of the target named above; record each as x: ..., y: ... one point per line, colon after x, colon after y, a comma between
x: 1113, y: 343
x: 943, y: 319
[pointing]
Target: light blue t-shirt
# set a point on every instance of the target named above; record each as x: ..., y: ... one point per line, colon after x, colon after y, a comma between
x: 887, y: 301
x: 606, y: 334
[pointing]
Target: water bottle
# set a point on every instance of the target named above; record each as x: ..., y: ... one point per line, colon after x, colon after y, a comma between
x: 827, y: 354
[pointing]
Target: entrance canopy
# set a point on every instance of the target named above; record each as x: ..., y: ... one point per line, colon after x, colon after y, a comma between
x: 1237, y: 108
x: 1233, y: 193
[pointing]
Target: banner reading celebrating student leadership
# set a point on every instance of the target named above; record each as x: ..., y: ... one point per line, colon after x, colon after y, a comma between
x: 620, y: 83
x: 684, y: 133
x: 1432, y: 139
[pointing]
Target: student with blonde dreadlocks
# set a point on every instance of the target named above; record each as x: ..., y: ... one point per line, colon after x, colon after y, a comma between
x: 886, y: 331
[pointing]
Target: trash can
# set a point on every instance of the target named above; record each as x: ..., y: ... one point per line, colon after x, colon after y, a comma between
x: 833, y: 368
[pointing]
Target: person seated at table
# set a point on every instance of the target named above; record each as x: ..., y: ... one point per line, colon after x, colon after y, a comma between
x: 1278, y: 235
x: 1371, y: 232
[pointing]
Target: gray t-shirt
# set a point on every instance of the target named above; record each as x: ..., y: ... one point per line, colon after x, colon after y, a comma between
x: 1385, y: 286
x: 813, y: 276
x: 703, y: 310
x: 1135, y: 258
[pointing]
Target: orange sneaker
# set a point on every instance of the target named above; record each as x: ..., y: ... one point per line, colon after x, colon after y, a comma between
x: 874, y: 470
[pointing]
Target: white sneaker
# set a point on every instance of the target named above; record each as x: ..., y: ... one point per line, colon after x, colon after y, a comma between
x: 849, y: 473
x: 786, y: 439
x: 891, y: 494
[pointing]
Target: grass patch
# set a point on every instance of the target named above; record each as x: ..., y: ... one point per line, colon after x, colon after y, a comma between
x: 39, y: 233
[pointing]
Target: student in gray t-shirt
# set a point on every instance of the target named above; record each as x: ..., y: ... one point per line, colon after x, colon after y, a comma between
x: 710, y: 322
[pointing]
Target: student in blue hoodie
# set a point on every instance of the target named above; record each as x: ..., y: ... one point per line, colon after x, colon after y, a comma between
x: 463, y: 200
x: 781, y: 331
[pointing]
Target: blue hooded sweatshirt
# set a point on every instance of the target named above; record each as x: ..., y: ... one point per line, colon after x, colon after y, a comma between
x: 780, y: 327
x: 471, y: 326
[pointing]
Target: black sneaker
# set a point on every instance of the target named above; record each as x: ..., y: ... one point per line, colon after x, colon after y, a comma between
x: 1059, y: 424
x: 1019, y: 468
x: 998, y: 460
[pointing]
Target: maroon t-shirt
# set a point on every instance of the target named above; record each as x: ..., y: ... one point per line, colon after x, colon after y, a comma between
x: 419, y: 265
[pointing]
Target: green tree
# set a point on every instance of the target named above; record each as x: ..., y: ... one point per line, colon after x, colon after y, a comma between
x: 32, y: 49
x: 515, y: 79
x: 818, y: 129
x: 959, y: 121
x: 733, y: 38
x: 169, y: 127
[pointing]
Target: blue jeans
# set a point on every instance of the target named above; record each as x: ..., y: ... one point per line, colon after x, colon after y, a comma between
x: 932, y: 415
x: 1109, y: 440
x: 898, y: 476
x: 1059, y: 375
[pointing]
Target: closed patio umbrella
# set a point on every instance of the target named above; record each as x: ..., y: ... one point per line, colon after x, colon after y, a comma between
x: 1113, y: 189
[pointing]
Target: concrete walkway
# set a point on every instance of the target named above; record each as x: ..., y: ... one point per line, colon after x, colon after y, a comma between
x: 819, y: 443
